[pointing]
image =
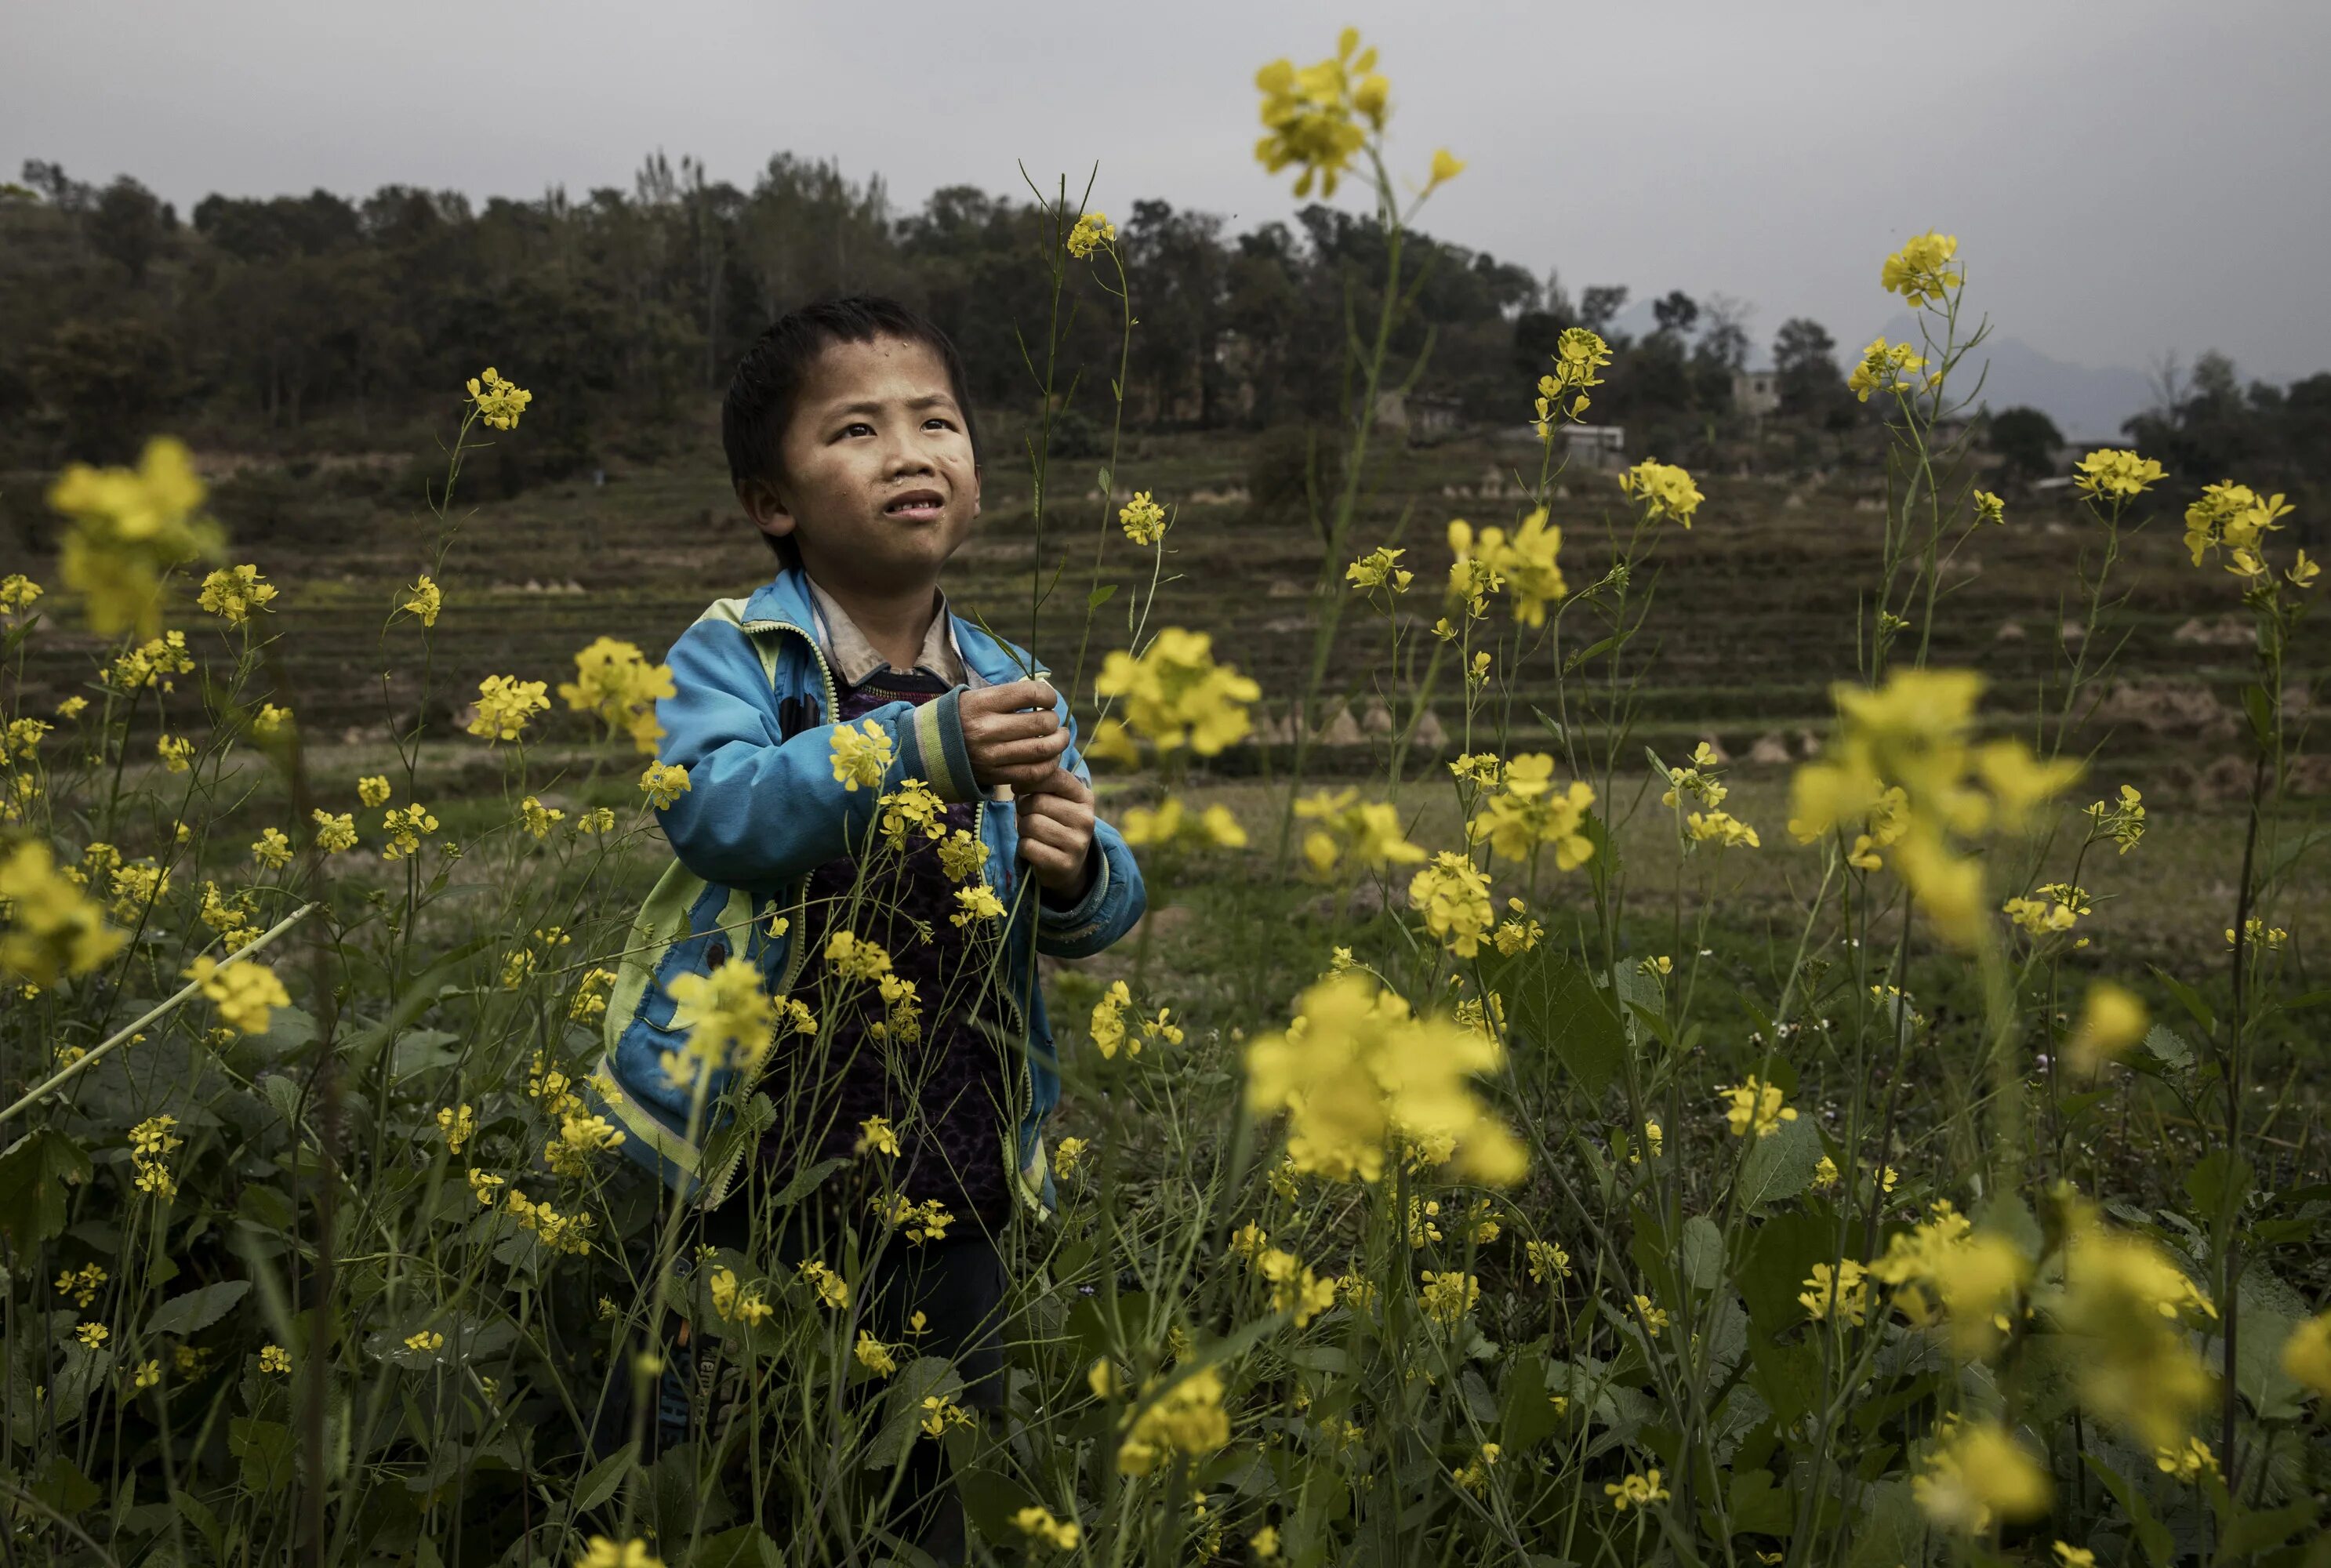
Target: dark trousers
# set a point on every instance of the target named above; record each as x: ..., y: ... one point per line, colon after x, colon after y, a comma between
x: 958, y: 1286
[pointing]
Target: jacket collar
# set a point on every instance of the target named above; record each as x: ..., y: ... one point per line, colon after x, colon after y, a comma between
x: 989, y: 660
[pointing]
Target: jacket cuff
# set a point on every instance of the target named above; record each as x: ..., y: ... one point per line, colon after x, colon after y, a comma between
x: 1079, y: 919
x: 931, y: 748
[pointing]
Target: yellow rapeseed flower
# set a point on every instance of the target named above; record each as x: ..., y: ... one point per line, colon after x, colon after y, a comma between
x: 615, y: 682
x: 498, y: 403
x: 2112, y: 473
x: 1662, y: 491
x: 128, y: 529
x: 17, y: 592
x: 1143, y: 519
x: 2307, y: 1354
x: 1175, y: 694
x: 245, y: 992
x: 1921, y: 272
x: 1319, y: 117
x: 1980, y: 1475
x: 505, y: 704
x: 1755, y: 1104
x: 861, y: 755
x: 54, y: 927
x: 727, y: 1015
x: 1186, y: 1418
x: 233, y: 594
x: 425, y: 599
x: 663, y: 782
x: 602, y: 1552
x: 1092, y: 232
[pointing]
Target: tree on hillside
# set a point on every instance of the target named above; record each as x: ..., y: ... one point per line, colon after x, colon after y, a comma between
x: 1804, y: 359
x: 2026, y: 441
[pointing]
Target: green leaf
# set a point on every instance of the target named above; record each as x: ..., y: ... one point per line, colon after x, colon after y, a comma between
x: 2259, y: 707
x: 1703, y: 1253
x: 266, y: 1451
x: 806, y: 1181
x: 2168, y: 1047
x: 33, y: 1176
x: 990, y: 1498
x: 2251, y: 1530
x: 63, y: 1487
x: 2219, y: 1180
x: 925, y: 1377
x: 197, y: 1309
x: 2151, y: 1532
x: 2187, y: 998
x: 1780, y: 1165
x: 1100, y: 595
x: 1556, y: 1004
x: 743, y: 1547
x: 599, y: 1483
x: 205, y: 1523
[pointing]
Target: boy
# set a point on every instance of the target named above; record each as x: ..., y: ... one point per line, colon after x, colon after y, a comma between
x: 851, y: 444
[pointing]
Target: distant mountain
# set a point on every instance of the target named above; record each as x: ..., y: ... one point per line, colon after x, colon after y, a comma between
x: 2088, y: 403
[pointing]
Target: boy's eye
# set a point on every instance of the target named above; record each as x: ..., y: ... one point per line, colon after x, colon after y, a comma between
x: 858, y: 427
x: 938, y: 422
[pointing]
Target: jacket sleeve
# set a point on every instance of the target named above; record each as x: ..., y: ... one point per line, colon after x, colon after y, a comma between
x: 1117, y: 896
x: 760, y: 810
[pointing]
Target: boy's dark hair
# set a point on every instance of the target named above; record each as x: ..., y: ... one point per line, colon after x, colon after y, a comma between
x: 768, y: 380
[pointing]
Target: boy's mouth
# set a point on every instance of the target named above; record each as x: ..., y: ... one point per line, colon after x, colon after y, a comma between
x: 915, y: 506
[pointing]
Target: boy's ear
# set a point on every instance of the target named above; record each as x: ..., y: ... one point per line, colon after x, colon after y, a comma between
x: 767, y: 508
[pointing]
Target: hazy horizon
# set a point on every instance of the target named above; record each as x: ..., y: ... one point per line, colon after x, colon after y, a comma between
x: 2109, y: 213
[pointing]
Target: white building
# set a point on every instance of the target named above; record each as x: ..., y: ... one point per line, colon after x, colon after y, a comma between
x: 1757, y: 393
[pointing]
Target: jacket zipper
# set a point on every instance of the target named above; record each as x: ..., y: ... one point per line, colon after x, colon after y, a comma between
x: 799, y: 958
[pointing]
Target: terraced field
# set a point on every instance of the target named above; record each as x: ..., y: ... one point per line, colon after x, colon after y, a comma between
x: 1749, y: 625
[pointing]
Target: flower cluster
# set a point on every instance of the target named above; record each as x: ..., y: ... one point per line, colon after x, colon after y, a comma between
x: 1187, y: 1418
x: 1889, y: 368
x: 729, y: 1016
x: 505, y: 704
x: 498, y: 403
x: 1350, y: 831
x: 129, y: 527
x: 1524, y: 561
x: 1175, y: 695
x: 1143, y: 519
x: 1662, y: 491
x: 1912, y: 735
x: 1525, y: 812
x: 614, y: 682
x: 1170, y: 822
x: 54, y: 927
x: 1578, y: 353
x: 233, y: 594
x: 1092, y: 232
x: 1922, y: 272
x: 1319, y: 117
x: 1356, y: 1073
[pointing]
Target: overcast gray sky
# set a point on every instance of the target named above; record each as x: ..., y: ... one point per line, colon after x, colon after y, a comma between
x: 2125, y: 178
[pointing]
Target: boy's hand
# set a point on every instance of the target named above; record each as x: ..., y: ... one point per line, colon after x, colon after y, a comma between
x: 1013, y: 735
x: 1056, y: 832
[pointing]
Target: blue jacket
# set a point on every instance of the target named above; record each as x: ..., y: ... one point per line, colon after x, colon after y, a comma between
x: 750, y: 722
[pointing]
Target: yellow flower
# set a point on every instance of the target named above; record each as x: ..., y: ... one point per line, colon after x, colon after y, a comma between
x: 1635, y: 1491
x: 940, y: 1414
x: 733, y: 1304
x: 977, y: 902
x: 54, y: 927
x: 1172, y: 823
x: 1723, y: 829
x: 1265, y: 1542
x: 1921, y: 271
x: 148, y: 1374
x: 373, y: 791
x: 1547, y: 1262
x: 1310, y: 115
x: 2071, y: 1556
x: 426, y: 600
x: 606, y: 1553
x: 2187, y: 1461
x: 1824, y: 1174
x: 274, y: 1358
x: 1663, y: 489
x: 484, y: 1186
x: 1886, y: 367
x: 270, y: 720
x: 1655, y: 1318
x: 1979, y: 1474
x: 1447, y: 1297
x: 1945, y: 1270
x: 17, y: 592
x: 1839, y: 1295
x: 1758, y: 1104
x: 1175, y: 695
x: 72, y: 707
x: 1578, y: 353
x: 505, y: 704
x: 427, y: 1341
x: 405, y: 828
x: 1356, y: 1072
x: 2112, y: 1019
x: 83, y: 1283
x: 335, y: 833
x: 2307, y: 1354
x: 2117, y: 474
x: 729, y: 1015
x: 498, y: 403
x: 614, y: 682
x: 830, y: 1287
x: 2132, y: 1304
x: 2303, y: 572
x: 663, y: 782
x: 458, y: 1124
x: 128, y: 529
x: 176, y: 752
x: 1446, y: 167
x: 92, y: 1334
x: 1067, y: 1155
x: 1367, y: 833
x: 245, y: 992
x: 874, y: 1355
x: 234, y: 592
x: 1989, y: 508
x: 1092, y: 231
x: 1144, y: 520
x: 1186, y: 1418
x: 861, y: 755
x: 272, y: 850
x: 1453, y: 897
x: 1379, y: 568
x: 1039, y: 1525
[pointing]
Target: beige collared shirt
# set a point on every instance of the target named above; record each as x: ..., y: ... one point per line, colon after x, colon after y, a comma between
x: 854, y: 658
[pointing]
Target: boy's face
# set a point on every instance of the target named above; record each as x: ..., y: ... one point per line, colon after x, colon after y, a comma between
x: 879, y: 487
